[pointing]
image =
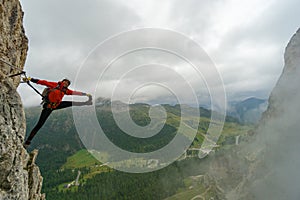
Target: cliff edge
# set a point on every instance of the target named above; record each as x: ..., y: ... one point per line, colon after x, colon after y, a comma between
x: 20, y: 178
x: 272, y: 167
x: 266, y: 165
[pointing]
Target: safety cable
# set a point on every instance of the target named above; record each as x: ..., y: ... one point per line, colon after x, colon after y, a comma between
x: 21, y: 73
x: 13, y: 67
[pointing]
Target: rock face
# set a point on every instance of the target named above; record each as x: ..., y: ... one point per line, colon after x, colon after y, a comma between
x: 19, y: 176
x: 274, y: 173
x: 267, y: 166
x: 13, y: 42
x: 279, y: 132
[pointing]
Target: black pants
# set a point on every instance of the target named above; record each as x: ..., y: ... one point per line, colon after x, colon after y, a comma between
x: 46, y: 113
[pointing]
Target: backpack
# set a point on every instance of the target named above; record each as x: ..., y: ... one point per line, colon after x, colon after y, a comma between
x: 46, y: 91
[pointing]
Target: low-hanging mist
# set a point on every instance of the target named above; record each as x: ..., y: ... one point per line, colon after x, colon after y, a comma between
x: 279, y: 134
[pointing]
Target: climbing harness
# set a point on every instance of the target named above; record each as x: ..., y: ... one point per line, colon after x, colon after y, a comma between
x: 20, y: 73
x: 45, y: 94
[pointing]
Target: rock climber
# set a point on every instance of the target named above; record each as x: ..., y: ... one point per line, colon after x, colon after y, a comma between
x: 52, y: 100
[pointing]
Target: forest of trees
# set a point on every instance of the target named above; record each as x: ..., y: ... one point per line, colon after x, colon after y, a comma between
x: 120, y: 185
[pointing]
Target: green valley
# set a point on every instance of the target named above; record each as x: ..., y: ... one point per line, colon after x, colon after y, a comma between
x: 62, y: 157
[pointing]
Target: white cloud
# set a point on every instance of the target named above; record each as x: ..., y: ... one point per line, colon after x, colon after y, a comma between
x: 245, y: 39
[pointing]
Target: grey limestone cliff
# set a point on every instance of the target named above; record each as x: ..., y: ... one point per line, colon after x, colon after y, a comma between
x: 273, y: 170
x: 279, y: 133
x: 267, y: 165
x: 20, y: 178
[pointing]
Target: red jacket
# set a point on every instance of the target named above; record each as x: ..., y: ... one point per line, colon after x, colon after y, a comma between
x: 56, y: 96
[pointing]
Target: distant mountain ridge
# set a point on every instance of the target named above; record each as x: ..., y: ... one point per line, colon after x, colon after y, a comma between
x: 248, y: 111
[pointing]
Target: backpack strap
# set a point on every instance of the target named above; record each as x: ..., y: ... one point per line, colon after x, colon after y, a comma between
x: 45, y: 94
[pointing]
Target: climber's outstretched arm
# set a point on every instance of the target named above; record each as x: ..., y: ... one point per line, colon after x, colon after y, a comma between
x: 41, y: 82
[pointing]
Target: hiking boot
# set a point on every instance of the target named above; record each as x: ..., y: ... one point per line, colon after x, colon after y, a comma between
x: 89, y: 101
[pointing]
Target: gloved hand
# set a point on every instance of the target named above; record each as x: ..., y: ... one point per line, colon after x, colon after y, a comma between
x: 26, y: 79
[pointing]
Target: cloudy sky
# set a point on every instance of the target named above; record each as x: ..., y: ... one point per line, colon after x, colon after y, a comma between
x: 244, y: 39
